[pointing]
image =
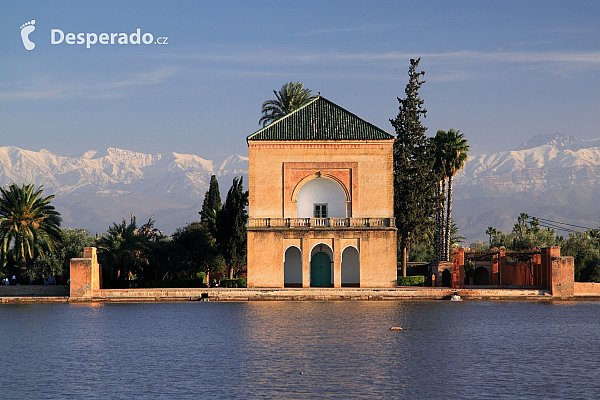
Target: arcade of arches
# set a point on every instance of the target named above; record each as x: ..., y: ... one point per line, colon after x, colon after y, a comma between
x: 321, y: 267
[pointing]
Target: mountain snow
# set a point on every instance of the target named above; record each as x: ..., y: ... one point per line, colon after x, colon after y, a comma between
x: 94, y: 189
x: 556, y: 177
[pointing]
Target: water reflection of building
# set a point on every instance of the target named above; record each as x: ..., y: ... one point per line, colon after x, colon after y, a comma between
x: 321, y: 201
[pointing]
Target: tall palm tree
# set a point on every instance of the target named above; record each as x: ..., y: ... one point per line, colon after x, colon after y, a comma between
x: 29, y: 224
x: 290, y: 97
x: 455, y: 149
x: 440, y: 168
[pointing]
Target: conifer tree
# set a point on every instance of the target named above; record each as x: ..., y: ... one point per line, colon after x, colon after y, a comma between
x: 231, y: 228
x: 415, y: 178
x: 211, y: 206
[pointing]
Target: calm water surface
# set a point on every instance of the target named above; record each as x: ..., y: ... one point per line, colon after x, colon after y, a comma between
x: 301, y: 350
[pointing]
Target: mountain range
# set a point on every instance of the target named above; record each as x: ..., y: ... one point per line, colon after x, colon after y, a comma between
x: 95, y: 189
x: 551, y: 176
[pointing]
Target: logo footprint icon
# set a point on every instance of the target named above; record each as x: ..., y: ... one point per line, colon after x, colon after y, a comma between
x: 26, y: 29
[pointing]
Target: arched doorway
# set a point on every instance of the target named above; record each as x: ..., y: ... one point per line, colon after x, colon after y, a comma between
x: 481, y: 276
x: 321, y: 270
x: 350, y: 267
x: 446, y: 278
x: 292, y: 267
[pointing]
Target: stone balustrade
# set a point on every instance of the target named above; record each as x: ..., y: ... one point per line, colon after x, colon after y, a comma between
x: 330, y: 223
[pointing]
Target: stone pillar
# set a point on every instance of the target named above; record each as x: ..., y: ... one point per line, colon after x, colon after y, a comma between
x: 495, y: 280
x: 337, y: 263
x: 536, y: 268
x: 458, y: 268
x: 249, y: 259
x: 85, y: 274
x: 501, y: 265
x: 548, y: 253
x: 563, y: 277
x: 305, y: 263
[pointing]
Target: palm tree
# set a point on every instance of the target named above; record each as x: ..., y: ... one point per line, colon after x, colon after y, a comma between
x: 535, y: 224
x: 123, y: 246
x: 491, y: 231
x: 454, y: 153
x: 290, y: 97
x: 440, y: 168
x: 29, y: 224
x: 522, y: 224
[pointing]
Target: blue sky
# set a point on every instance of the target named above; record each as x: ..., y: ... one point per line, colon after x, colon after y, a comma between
x: 500, y: 71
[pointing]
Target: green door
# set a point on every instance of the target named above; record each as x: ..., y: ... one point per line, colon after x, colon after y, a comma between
x: 320, y: 270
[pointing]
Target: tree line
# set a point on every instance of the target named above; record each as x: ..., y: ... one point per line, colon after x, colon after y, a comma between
x: 527, y: 234
x: 34, y: 246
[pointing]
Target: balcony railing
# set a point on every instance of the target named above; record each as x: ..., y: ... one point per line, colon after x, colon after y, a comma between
x: 321, y: 222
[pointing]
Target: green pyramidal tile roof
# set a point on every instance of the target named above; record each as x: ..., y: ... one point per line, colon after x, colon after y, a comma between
x: 320, y: 119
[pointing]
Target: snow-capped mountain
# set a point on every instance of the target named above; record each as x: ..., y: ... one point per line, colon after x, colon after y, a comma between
x: 556, y: 177
x: 94, y: 189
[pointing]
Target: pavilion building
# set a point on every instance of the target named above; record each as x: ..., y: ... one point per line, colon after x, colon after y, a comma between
x: 321, y: 201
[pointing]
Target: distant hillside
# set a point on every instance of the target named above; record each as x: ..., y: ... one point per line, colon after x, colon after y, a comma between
x: 95, y: 189
x: 556, y: 177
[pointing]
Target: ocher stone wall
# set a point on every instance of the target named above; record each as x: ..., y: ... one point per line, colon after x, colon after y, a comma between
x: 278, y: 170
x: 85, y: 274
x: 266, y: 254
x: 563, y: 273
x: 586, y: 289
x: 364, y: 168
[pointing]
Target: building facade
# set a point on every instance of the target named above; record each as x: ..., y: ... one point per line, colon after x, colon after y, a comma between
x: 321, y: 201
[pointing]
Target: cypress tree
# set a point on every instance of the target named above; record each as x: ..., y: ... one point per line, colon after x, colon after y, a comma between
x: 415, y: 178
x: 231, y: 228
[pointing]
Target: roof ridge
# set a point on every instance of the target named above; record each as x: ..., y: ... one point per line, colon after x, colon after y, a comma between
x: 351, y: 113
x: 325, y: 120
x: 284, y: 117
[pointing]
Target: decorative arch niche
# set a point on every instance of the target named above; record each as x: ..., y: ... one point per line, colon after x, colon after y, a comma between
x: 321, y: 189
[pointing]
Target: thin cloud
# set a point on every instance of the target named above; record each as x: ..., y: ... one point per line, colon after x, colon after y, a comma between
x: 574, y: 30
x: 47, y: 89
x: 442, y: 67
x: 268, y: 56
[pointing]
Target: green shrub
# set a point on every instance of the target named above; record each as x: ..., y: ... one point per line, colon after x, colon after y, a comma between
x: 233, y: 283
x: 418, y: 280
x: 201, y: 275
